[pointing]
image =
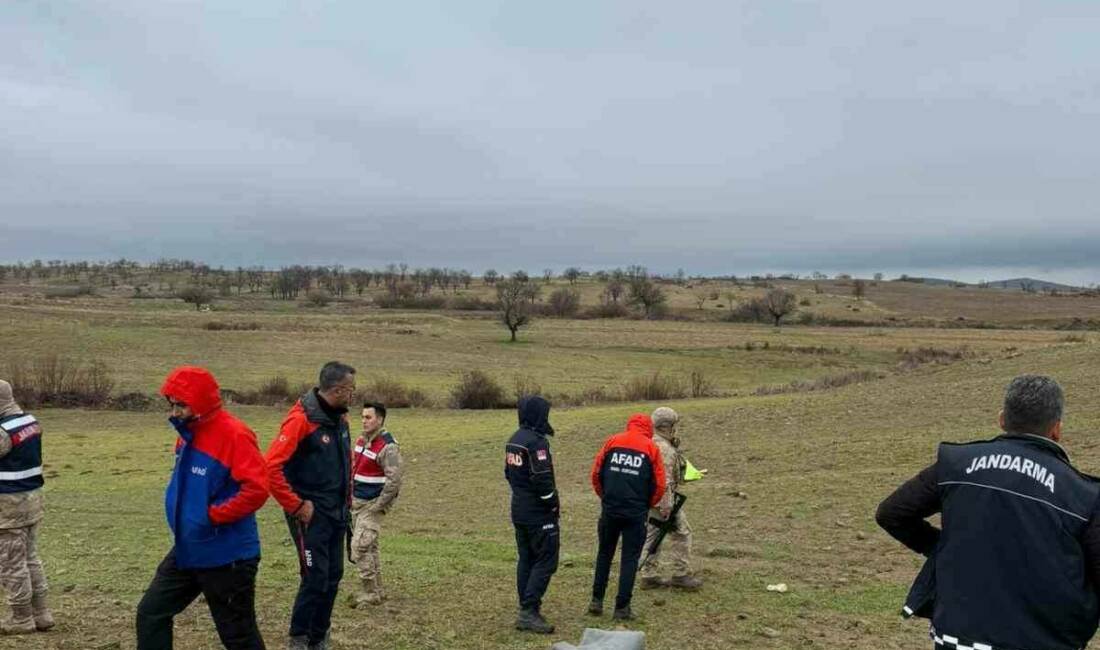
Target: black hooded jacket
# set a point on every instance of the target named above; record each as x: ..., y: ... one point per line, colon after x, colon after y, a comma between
x: 528, y: 466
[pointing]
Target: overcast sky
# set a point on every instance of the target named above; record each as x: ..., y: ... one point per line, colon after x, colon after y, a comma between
x: 940, y: 138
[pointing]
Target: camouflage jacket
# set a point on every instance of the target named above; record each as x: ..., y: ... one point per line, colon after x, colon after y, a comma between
x: 673, y: 462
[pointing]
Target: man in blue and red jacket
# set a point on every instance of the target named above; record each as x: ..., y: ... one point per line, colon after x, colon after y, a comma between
x: 629, y: 477
x: 217, y: 485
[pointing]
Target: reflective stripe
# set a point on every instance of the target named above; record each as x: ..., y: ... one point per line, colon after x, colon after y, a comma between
x: 363, y: 478
x: 547, y: 496
x: 18, y: 476
x: 366, y: 452
x: 18, y: 422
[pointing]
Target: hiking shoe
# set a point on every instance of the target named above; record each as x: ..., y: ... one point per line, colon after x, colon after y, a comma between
x: 532, y: 621
x: 653, y: 583
x: 687, y: 583
x: 21, y: 621
x: 300, y: 642
x: 623, y: 614
x: 320, y: 645
x: 595, y: 607
x: 43, y: 619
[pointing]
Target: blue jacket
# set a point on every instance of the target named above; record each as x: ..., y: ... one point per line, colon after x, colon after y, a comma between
x: 219, y: 480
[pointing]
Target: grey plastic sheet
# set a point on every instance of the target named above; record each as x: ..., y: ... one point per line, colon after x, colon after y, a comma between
x: 594, y: 639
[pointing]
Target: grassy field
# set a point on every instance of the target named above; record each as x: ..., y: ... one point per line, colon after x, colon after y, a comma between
x: 812, y: 465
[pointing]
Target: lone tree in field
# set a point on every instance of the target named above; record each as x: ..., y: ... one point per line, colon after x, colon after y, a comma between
x: 779, y: 303
x: 572, y: 274
x: 197, y: 296
x: 515, y: 302
x: 644, y: 293
x: 859, y: 289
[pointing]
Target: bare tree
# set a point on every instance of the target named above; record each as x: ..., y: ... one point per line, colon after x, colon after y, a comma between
x: 644, y: 293
x: 572, y: 274
x: 515, y: 302
x: 490, y: 277
x: 547, y: 275
x: 779, y: 303
x: 564, y: 302
x: 859, y: 289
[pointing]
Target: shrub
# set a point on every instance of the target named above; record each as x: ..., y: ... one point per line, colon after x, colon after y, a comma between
x: 470, y: 303
x: 197, y: 296
x: 318, y: 298
x: 54, y: 380
x: 70, y: 292
x: 590, y: 395
x: 477, y: 390
x: 606, y: 310
x: 751, y: 311
x: 912, y: 358
x: 412, y: 302
x: 701, y: 386
x: 564, y: 302
x: 653, y: 387
x: 394, y: 394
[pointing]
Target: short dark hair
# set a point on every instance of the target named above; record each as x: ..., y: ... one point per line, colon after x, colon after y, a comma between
x: 332, y: 373
x: 378, y: 407
x: 1033, y: 404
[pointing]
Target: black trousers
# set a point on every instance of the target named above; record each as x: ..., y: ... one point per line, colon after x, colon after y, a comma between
x: 609, y: 530
x: 230, y: 593
x: 538, y: 546
x: 321, y: 564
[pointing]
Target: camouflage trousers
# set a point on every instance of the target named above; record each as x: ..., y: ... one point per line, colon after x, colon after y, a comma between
x: 364, y: 545
x: 21, y: 572
x: 675, y: 551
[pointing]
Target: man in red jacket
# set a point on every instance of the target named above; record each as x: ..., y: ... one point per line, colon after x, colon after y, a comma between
x: 629, y: 477
x: 309, y: 469
x: 218, y: 483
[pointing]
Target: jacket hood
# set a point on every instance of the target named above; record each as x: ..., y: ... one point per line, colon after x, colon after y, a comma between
x: 534, y: 414
x: 195, y: 387
x: 640, y: 424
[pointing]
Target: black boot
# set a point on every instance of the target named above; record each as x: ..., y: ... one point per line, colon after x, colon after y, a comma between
x: 623, y: 614
x: 530, y: 620
x: 595, y: 607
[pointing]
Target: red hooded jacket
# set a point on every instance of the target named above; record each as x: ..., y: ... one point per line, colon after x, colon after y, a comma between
x: 627, y: 473
x: 220, y: 478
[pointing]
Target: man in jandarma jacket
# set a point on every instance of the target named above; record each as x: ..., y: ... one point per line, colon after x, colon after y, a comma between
x: 309, y: 468
x: 1016, y: 563
x: 22, y: 509
x: 218, y: 483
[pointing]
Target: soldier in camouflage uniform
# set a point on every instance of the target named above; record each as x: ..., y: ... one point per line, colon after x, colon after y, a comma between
x: 376, y: 481
x: 21, y: 510
x: 675, y: 550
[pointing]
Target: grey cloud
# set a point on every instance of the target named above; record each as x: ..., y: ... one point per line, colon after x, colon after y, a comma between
x: 739, y: 135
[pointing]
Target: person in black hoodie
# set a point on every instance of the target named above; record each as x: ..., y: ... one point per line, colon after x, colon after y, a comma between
x: 529, y: 469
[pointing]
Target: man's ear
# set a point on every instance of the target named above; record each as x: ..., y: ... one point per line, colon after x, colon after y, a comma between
x: 1001, y: 420
x: 1056, y: 431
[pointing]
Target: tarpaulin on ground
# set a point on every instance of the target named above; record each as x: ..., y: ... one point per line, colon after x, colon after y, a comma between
x: 594, y: 639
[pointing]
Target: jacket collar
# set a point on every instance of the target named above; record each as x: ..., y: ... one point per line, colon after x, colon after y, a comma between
x: 1041, y: 442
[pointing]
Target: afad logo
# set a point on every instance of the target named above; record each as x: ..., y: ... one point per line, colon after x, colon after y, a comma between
x: 326, y: 438
x: 514, y: 459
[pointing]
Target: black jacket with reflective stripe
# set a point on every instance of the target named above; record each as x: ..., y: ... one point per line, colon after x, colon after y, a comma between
x: 21, y: 468
x: 1009, y: 569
